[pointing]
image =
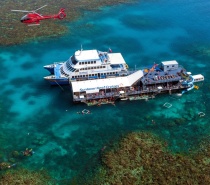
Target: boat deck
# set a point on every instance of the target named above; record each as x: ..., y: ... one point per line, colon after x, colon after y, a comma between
x: 159, y: 76
x: 127, y: 92
x: 152, y: 82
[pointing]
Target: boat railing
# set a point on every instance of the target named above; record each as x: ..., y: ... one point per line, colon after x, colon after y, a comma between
x: 118, y: 70
x: 83, y: 78
x: 152, y: 81
x: 128, y: 92
x: 61, y: 62
x: 147, y: 67
x: 65, y: 68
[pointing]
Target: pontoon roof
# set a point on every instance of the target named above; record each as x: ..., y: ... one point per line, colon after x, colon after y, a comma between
x: 91, y: 86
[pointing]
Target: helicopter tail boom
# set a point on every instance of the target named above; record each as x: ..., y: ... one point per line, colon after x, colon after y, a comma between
x: 61, y: 14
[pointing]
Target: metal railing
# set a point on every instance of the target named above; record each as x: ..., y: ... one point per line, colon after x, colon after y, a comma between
x: 128, y: 92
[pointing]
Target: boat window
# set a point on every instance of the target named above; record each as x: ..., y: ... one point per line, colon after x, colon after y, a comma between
x: 94, y: 62
x: 89, y: 74
x: 79, y: 63
x: 91, y: 68
x: 72, y: 76
x: 85, y: 62
x: 104, y: 66
x: 77, y: 70
x: 73, y: 60
x: 116, y: 66
x: 86, y: 75
x: 88, y: 68
x: 83, y: 75
x: 94, y: 67
x: 97, y: 67
x: 89, y: 62
x: 82, y: 63
x: 92, y: 74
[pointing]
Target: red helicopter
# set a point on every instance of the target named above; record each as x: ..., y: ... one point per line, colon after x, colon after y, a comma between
x: 33, y: 18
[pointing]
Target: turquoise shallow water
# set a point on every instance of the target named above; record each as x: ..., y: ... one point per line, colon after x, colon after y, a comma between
x: 34, y: 114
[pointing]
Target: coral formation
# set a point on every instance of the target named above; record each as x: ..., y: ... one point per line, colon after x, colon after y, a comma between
x: 24, y: 176
x: 142, y: 158
x: 4, y: 165
x: 15, y: 154
x: 13, y: 32
x: 39, y: 140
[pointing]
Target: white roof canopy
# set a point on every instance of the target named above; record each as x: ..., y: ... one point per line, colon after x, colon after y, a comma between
x: 116, y: 58
x: 84, y: 55
x: 171, y: 62
x: 91, y: 86
x: 198, y: 77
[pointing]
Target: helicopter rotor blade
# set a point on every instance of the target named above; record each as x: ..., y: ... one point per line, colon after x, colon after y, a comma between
x: 40, y: 8
x: 20, y: 11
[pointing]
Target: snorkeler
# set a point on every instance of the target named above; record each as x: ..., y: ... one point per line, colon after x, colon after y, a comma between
x: 28, y: 152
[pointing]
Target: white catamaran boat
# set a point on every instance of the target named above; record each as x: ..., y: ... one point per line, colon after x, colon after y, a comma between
x: 86, y: 65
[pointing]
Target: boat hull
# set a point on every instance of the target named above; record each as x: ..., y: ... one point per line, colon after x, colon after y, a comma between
x: 63, y: 81
x: 50, y: 68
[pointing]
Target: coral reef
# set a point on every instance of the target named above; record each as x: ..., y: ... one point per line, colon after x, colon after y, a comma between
x: 39, y: 140
x: 14, y: 32
x: 4, y: 165
x: 142, y: 158
x: 24, y: 176
x: 15, y: 154
x: 199, y: 50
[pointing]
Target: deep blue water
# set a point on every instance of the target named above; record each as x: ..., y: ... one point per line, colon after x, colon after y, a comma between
x: 34, y: 114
